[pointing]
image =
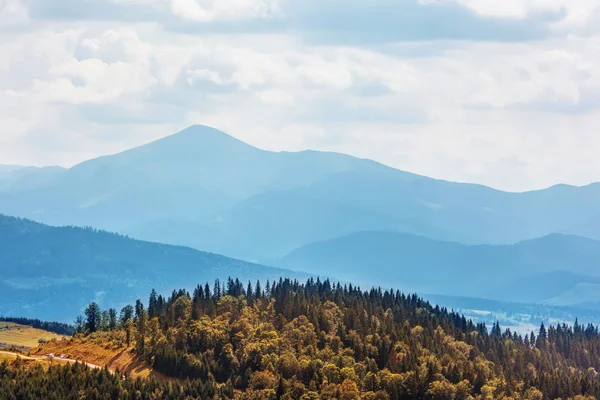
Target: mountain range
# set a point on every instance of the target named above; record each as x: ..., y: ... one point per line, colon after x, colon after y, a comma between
x: 203, y: 188
x: 17, y: 177
x: 550, y: 270
x: 53, y: 273
x: 319, y: 211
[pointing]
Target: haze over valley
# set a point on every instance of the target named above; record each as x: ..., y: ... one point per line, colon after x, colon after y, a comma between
x: 312, y: 212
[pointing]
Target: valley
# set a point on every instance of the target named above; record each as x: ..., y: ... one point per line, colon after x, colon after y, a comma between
x: 293, y: 214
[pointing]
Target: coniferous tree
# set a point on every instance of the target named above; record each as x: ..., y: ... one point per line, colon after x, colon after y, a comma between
x: 140, y: 337
x: 128, y: 327
x: 126, y: 314
x: 112, y: 319
x: 153, y: 305
x: 104, y: 321
x: 331, y: 341
x: 93, y: 317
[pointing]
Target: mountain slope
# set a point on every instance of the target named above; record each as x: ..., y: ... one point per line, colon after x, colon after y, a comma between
x: 196, y: 173
x: 16, y: 177
x: 466, y: 213
x: 268, y: 225
x: 530, y: 271
x: 211, y: 184
x: 53, y: 272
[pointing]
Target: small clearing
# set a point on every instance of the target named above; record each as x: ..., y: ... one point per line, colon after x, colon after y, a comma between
x: 23, y: 337
x: 122, y: 359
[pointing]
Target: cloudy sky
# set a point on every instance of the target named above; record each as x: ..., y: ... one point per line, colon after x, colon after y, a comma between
x: 504, y: 93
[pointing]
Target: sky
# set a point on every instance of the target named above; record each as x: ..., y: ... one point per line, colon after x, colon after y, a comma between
x: 503, y: 93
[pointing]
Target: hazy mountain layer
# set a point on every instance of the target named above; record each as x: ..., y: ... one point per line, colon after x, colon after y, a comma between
x: 206, y: 189
x: 529, y: 271
x: 15, y: 177
x: 52, y: 273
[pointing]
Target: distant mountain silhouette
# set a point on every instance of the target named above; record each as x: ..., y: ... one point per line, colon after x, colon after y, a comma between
x: 52, y: 273
x: 16, y: 177
x: 269, y: 223
x: 206, y: 189
x: 542, y: 270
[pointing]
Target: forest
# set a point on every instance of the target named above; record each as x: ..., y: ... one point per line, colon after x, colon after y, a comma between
x: 319, y: 340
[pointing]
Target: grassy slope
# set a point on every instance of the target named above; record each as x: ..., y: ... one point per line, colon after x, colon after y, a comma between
x: 99, y: 351
x: 12, y: 334
x: 29, y: 363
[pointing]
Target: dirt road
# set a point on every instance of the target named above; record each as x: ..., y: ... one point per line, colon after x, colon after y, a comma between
x: 57, y: 359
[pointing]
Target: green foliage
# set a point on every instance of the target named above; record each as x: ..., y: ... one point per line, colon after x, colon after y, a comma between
x: 323, y: 341
x: 93, y: 318
x: 72, y: 382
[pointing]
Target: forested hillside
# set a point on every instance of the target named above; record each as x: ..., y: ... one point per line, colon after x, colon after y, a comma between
x: 287, y: 340
x: 52, y: 273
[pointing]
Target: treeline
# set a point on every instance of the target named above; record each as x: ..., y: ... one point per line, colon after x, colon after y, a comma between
x: 55, y: 327
x: 76, y: 381
x: 318, y: 340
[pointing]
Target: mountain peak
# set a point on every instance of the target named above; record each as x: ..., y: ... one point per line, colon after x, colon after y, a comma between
x: 193, y: 143
x: 204, y: 136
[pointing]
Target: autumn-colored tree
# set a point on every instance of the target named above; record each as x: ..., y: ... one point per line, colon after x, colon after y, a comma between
x: 329, y: 341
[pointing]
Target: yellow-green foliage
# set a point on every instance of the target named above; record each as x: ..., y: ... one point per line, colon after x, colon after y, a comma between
x: 12, y: 334
x: 316, y: 341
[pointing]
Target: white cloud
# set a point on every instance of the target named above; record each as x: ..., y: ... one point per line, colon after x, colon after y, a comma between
x: 572, y: 14
x: 140, y: 2
x: 113, y: 46
x: 203, y: 74
x: 211, y: 10
x: 516, y: 114
x: 275, y: 96
x: 515, y: 8
x: 12, y: 13
x: 98, y: 76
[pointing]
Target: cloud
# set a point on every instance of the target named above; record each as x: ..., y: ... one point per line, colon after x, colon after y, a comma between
x: 562, y: 15
x: 12, y: 13
x: 207, y: 11
x: 98, y: 10
x: 514, y: 8
x: 318, y: 21
x: 334, y: 21
x: 452, y: 89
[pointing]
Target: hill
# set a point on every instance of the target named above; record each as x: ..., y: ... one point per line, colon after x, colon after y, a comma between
x: 540, y: 270
x: 315, y: 341
x: 25, y: 337
x: 203, y: 188
x: 51, y: 273
x: 268, y: 224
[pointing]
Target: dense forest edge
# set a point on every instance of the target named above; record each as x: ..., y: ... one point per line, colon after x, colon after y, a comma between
x: 317, y: 340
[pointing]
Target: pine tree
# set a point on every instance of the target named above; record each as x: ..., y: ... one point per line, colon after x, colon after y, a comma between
x: 153, y: 304
x: 112, y: 319
x: 140, y: 337
x: 126, y: 313
x: 93, y: 317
